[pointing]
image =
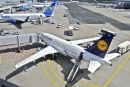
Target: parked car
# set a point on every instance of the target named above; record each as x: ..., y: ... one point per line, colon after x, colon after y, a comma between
x: 59, y: 26
x: 76, y: 28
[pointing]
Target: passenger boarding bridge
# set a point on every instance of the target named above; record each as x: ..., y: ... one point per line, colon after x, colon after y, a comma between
x: 20, y: 39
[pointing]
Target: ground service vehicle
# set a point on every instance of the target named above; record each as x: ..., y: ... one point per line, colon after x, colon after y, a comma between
x: 123, y: 47
x: 71, y: 31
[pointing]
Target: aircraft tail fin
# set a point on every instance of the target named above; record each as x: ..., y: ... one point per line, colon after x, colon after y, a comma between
x: 37, y: 9
x: 58, y: 1
x: 50, y: 9
x: 100, y: 47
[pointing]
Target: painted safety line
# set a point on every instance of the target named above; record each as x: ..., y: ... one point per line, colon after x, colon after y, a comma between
x: 2, y: 51
x: 30, y: 53
x: 23, y: 52
x: 57, y: 76
x: 5, y: 55
x: 0, y: 59
x: 26, y: 54
x: 33, y: 51
x: 13, y: 52
x: 9, y: 54
x: 55, y: 84
x: 109, y: 80
x: 77, y: 79
x: 16, y: 55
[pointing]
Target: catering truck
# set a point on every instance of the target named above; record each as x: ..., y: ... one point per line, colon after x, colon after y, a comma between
x: 123, y: 47
x: 71, y: 31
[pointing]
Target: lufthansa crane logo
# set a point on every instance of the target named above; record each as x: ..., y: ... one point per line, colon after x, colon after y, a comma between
x: 102, y: 45
x: 50, y: 8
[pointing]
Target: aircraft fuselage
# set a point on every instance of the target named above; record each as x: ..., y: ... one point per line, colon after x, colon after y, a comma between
x: 68, y: 49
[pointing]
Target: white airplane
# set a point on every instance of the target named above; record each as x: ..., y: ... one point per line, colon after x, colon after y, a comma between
x: 21, y: 18
x: 44, y: 5
x: 103, y: 4
x: 41, y: 6
x: 96, y: 53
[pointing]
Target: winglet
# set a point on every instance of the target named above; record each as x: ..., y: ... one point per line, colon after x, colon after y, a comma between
x: 49, y: 10
x: 101, y: 46
x: 26, y: 19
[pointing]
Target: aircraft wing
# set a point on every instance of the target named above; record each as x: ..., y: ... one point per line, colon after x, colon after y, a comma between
x: 84, y: 40
x: 41, y: 53
x: 111, y: 56
x: 93, y: 66
x: 24, y: 19
x: 17, y: 21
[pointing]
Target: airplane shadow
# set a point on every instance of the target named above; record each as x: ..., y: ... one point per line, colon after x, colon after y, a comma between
x: 66, y: 33
x: 67, y: 66
x: 26, y: 47
x: 25, y: 67
x: 46, y: 21
x: 18, y: 25
x: 64, y: 62
x: 4, y: 83
x: 113, y: 51
x: 100, y: 33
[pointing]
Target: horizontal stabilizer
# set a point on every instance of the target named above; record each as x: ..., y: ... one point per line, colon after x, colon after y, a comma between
x: 111, y: 56
x: 93, y: 66
x: 84, y: 40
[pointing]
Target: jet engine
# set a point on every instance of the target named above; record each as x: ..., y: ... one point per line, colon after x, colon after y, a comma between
x: 12, y: 21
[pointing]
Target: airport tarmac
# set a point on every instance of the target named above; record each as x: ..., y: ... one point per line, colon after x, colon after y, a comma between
x: 53, y: 73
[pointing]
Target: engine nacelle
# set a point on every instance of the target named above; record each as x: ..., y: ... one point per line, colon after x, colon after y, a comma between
x: 12, y: 21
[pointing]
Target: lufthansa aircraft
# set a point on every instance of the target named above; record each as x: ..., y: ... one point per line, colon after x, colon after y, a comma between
x: 21, y: 18
x: 95, y: 54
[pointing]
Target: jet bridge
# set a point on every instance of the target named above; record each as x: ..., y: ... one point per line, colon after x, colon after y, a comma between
x: 18, y: 39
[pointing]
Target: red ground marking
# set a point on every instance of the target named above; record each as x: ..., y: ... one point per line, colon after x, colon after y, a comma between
x: 2, y: 49
x: 20, y: 54
x: 12, y: 53
x: 26, y: 53
x: 8, y: 54
x: 29, y: 52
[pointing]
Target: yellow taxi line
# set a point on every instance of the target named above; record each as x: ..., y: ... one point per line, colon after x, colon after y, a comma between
x: 109, y: 80
x: 58, y: 76
x: 77, y: 79
x: 55, y: 84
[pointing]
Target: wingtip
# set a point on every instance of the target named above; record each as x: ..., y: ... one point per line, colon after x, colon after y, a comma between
x: 16, y: 66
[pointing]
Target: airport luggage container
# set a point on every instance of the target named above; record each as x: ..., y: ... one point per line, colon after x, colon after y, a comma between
x: 123, y: 47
